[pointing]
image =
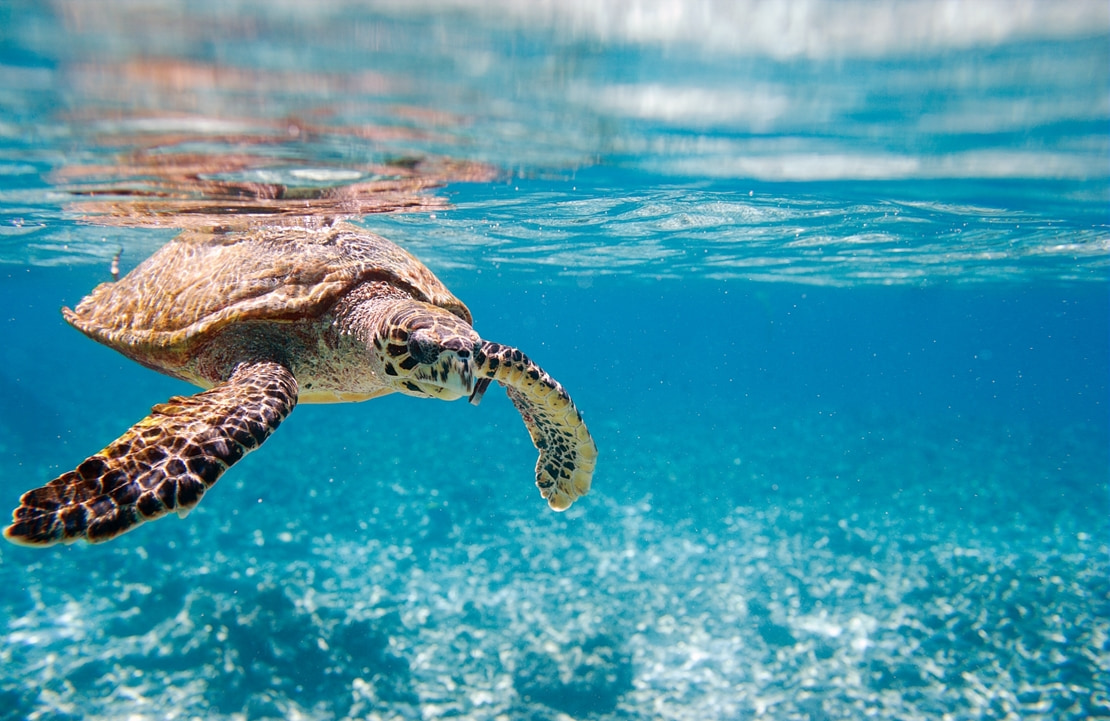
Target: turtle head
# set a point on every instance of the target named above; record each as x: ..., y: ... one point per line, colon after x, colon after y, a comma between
x: 426, y: 351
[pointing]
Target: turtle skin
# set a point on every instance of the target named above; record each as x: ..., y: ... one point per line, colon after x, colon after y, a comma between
x: 265, y: 319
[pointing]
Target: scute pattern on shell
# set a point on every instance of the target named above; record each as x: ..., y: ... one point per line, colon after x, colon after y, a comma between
x: 200, y: 282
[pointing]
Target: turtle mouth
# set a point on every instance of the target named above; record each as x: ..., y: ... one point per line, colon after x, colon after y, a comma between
x: 480, y: 387
x: 450, y: 377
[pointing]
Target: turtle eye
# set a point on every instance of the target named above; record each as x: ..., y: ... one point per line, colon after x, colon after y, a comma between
x: 422, y: 349
x: 462, y: 346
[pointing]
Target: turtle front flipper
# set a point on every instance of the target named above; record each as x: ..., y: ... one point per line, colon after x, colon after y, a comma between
x: 163, y: 463
x: 568, y: 453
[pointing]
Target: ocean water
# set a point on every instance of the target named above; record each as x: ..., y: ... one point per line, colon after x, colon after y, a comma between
x: 828, y: 281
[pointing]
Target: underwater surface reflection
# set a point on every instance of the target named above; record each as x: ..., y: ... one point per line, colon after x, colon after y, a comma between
x: 828, y: 282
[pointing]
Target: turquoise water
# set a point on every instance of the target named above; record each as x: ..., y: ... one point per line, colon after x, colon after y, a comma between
x: 828, y: 282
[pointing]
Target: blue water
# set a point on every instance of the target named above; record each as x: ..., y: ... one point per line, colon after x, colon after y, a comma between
x: 828, y: 281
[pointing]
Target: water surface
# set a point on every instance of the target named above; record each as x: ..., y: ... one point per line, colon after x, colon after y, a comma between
x: 828, y: 281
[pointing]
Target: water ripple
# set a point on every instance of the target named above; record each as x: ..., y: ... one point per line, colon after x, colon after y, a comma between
x: 827, y: 240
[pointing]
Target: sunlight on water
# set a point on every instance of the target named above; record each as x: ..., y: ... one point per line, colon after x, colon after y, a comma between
x: 910, y: 102
x: 685, y: 233
x: 827, y: 280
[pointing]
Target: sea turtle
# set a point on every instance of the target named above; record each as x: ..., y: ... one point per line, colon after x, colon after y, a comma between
x: 263, y: 319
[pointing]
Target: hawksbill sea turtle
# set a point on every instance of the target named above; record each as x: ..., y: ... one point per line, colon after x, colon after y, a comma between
x: 263, y: 319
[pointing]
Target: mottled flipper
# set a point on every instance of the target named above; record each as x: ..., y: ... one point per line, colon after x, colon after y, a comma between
x: 163, y: 463
x: 568, y: 453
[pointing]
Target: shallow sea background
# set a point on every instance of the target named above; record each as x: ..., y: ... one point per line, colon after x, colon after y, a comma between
x: 827, y: 280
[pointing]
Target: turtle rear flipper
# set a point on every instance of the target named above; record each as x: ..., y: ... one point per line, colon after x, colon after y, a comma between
x: 568, y: 453
x: 163, y: 463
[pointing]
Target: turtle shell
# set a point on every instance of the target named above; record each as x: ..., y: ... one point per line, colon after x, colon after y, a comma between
x: 202, y: 281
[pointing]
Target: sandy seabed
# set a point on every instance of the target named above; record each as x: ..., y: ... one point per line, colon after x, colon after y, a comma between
x: 821, y: 568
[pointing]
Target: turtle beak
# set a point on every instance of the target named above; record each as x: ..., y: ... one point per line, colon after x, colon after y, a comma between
x: 454, y: 374
x: 480, y: 386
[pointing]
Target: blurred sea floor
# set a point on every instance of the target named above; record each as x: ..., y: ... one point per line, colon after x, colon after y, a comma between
x: 795, y: 565
x: 834, y: 305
